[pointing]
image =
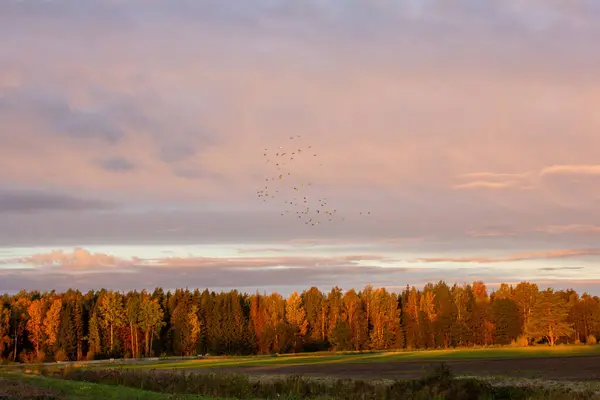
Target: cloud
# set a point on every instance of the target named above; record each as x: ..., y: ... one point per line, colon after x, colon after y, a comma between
x: 116, y: 164
x: 530, y: 179
x: 558, y: 268
x: 24, y: 201
x: 194, y: 116
x: 492, y: 180
x: 79, y: 258
x: 589, y: 169
x: 261, y: 250
x: 570, y: 228
x: 83, y: 258
x: 174, y: 152
x: 86, y: 269
x: 56, y: 112
x: 554, y: 254
x: 488, y: 185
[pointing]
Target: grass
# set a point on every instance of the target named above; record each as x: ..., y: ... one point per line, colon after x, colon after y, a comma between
x: 370, y: 357
x: 27, y: 386
x: 439, y: 384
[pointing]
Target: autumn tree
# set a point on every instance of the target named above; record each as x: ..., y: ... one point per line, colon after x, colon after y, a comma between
x: 4, y: 328
x: 151, y: 320
x: 412, y: 317
x: 94, y: 336
x: 296, y: 317
x: 586, y: 313
x: 549, y: 318
x: 112, y: 314
x: 505, y: 314
x: 386, y: 319
x: 186, y: 327
x: 315, y: 305
x: 524, y: 295
x: 51, y: 323
x: 353, y: 314
x: 132, y: 315
x: 341, y: 336
x: 35, y: 325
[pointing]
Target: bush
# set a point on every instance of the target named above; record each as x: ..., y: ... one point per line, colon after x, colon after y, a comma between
x: 591, y: 339
x: 520, y: 341
x: 60, y: 355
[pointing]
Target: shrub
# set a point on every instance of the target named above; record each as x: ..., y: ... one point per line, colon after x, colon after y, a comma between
x: 60, y: 355
x: 591, y: 339
x: 520, y: 341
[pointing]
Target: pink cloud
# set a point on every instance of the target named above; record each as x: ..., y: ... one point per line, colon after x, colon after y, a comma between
x: 583, y: 169
x: 571, y: 228
x: 83, y: 259
x: 515, y: 257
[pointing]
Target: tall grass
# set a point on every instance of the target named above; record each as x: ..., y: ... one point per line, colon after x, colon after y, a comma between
x: 439, y: 383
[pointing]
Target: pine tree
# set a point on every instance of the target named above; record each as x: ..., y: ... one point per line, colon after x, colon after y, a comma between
x: 94, y: 337
x: 549, y: 318
x: 505, y: 314
x: 67, y: 336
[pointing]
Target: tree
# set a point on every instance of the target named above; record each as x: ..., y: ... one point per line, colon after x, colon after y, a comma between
x: 132, y: 312
x: 386, y: 319
x: 412, y: 318
x: 4, y: 328
x: 586, y: 316
x: 186, y: 327
x: 354, y: 315
x: 341, y: 336
x: 35, y: 325
x: 296, y: 317
x: 111, y: 313
x: 524, y: 295
x: 549, y: 318
x: 94, y: 337
x: 52, y: 323
x: 151, y: 320
x: 67, y: 336
x: 505, y: 314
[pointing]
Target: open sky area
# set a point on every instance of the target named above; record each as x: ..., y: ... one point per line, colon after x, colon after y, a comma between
x: 132, y: 136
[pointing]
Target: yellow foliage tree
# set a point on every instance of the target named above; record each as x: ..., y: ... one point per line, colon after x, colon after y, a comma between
x: 35, y: 324
x: 52, y: 322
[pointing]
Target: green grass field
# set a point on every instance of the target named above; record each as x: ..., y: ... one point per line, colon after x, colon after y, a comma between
x: 23, y: 386
x: 374, y: 357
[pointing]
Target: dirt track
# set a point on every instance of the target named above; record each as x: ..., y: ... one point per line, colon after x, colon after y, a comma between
x: 567, y: 368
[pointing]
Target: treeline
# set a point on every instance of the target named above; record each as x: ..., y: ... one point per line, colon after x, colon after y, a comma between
x: 48, y: 326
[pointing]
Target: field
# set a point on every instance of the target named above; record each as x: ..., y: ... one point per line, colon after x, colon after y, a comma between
x: 562, y: 362
x: 564, y: 369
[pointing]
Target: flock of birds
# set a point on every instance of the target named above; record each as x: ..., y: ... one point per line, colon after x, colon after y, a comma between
x: 285, y: 186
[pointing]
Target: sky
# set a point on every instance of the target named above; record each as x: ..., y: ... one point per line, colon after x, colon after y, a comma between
x: 132, y: 137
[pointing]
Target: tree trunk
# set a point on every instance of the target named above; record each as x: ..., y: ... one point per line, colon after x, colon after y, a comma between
x: 111, y: 337
x: 137, y: 343
x: 151, y: 337
x: 132, y: 344
x: 16, y: 341
x: 146, y: 341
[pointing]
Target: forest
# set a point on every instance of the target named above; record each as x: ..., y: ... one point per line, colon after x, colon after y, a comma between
x: 52, y: 326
